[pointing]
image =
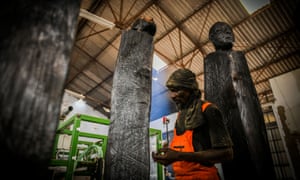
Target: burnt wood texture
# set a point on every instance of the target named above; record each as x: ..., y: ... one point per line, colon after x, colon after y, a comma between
x: 228, y: 83
x: 127, y: 155
x: 36, y: 43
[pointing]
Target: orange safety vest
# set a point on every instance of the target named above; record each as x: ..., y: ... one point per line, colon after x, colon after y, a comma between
x: 185, y: 170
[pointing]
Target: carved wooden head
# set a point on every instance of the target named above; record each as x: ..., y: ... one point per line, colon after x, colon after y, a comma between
x: 221, y: 35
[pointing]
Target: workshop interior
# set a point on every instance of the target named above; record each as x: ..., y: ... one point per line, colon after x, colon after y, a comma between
x: 266, y: 31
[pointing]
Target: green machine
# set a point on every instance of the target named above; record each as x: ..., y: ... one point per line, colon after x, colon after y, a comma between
x: 80, y: 153
x: 84, y: 152
x: 156, y: 170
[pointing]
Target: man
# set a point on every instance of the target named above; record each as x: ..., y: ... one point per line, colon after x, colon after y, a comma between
x: 200, y: 137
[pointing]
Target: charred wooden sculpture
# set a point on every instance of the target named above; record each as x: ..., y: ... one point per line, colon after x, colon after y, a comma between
x: 35, y: 52
x: 127, y: 155
x: 228, y: 83
x: 144, y: 24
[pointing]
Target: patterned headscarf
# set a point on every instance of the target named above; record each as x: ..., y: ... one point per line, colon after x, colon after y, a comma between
x: 190, y: 116
x: 182, y: 78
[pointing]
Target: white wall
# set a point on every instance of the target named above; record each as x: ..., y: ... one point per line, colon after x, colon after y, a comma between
x: 80, y: 107
x: 286, y: 90
x: 158, y: 123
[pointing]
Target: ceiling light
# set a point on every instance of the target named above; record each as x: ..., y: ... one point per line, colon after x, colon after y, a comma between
x: 96, y: 19
x: 75, y: 94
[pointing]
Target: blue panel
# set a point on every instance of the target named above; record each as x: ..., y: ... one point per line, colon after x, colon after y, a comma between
x: 161, y: 104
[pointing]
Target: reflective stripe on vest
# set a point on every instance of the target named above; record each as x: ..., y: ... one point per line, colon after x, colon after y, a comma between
x: 205, y: 105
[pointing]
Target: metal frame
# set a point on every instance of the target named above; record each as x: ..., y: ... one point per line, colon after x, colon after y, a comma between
x: 64, y: 128
x: 156, y: 132
x: 74, y: 132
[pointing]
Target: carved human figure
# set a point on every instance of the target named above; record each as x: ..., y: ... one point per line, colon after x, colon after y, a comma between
x: 221, y: 35
x: 228, y: 83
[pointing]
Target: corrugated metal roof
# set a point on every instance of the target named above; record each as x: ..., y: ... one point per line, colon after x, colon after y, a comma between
x: 269, y: 38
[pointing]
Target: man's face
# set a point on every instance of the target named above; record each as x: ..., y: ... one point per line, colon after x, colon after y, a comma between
x: 179, y: 95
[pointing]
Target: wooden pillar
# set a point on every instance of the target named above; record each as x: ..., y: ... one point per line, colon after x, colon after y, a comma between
x: 228, y: 84
x: 127, y: 155
x: 36, y: 42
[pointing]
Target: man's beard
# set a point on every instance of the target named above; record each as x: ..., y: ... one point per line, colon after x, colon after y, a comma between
x: 181, y: 105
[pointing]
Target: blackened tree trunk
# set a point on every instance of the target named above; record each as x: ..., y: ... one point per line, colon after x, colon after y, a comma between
x: 228, y: 84
x: 127, y: 155
x: 36, y: 42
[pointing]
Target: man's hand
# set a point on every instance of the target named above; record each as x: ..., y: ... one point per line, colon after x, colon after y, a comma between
x: 165, y: 156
